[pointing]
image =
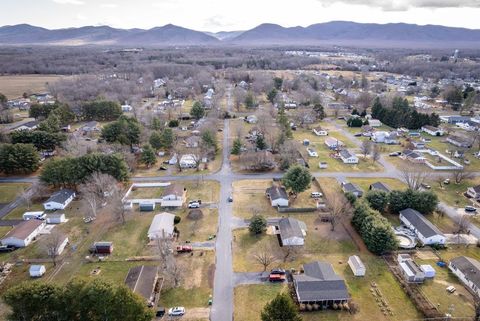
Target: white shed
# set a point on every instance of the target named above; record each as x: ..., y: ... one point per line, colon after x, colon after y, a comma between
x: 428, y: 270
x: 37, y: 271
x: 56, y: 218
x: 357, y: 266
x: 162, y: 226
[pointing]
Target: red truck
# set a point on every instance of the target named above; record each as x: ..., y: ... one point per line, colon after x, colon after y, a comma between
x: 184, y: 249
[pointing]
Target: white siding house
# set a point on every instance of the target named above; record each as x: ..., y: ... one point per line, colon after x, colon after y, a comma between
x: 59, y: 200
x: 347, y: 157
x: 319, y: 131
x: 426, y: 232
x: 24, y: 233
x: 467, y: 270
x: 278, y: 196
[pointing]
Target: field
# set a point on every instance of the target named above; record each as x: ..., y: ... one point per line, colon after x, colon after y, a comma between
x: 15, y: 86
x: 9, y: 191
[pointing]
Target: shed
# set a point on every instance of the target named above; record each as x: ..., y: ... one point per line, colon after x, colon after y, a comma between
x: 56, y: 218
x: 102, y: 247
x: 428, y: 270
x: 357, y: 266
x: 412, y: 272
x: 292, y: 231
x: 147, y: 206
x: 162, y: 226
x: 402, y: 257
x: 37, y: 271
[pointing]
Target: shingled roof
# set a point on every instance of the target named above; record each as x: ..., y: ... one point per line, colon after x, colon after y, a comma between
x: 421, y: 224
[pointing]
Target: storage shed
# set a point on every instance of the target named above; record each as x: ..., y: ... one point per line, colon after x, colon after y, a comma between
x: 357, y: 266
x: 102, y: 248
x: 428, y: 270
x: 56, y: 218
x: 147, y: 206
x: 37, y: 271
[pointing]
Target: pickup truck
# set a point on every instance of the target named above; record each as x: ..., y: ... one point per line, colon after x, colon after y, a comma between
x: 184, y: 249
x: 276, y: 277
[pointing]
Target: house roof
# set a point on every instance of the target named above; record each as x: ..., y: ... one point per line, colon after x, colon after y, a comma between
x: 36, y: 268
x: 421, y: 224
x: 350, y: 187
x: 61, y: 196
x: 175, y: 189
x: 277, y: 192
x: 24, y: 229
x: 290, y: 227
x: 333, y: 141
x: 459, y: 139
x: 476, y: 189
x: 431, y: 128
x: 469, y: 267
x: 380, y: 186
x: 162, y: 222
x: 411, y: 154
x: 141, y: 280
x: 410, y: 267
x: 319, y: 283
x: 29, y: 124
x: 344, y: 153
x: 357, y: 263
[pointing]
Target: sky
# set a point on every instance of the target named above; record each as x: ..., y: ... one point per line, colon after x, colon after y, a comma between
x: 229, y: 15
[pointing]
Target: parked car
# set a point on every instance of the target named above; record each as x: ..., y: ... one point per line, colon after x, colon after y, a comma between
x: 470, y: 209
x: 193, y: 204
x: 176, y: 311
x: 446, y: 181
x: 316, y: 194
x: 160, y: 312
x: 451, y: 289
x: 6, y: 248
x: 395, y: 154
x: 230, y: 199
x: 357, y: 134
x: 184, y: 249
x: 425, y: 186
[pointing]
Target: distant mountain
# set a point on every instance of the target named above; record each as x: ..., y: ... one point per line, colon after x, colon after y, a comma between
x: 336, y: 32
x: 342, y: 31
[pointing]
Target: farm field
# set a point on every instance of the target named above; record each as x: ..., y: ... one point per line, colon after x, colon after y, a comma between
x: 15, y: 86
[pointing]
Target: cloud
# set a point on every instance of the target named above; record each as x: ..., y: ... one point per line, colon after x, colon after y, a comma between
x: 217, y: 22
x: 74, y: 2
x: 109, y: 5
x: 403, y: 5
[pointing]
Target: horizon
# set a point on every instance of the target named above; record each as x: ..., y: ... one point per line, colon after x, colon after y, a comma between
x: 218, y: 15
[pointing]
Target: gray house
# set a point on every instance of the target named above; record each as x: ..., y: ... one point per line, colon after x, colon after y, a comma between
x: 352, y: 188
x: 379, y: 186
x: 291, y: 231
x: 321, y: 285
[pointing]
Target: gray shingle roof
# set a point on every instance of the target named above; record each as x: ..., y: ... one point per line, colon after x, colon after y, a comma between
x: 350, y: 187
x: 421, y: 224
x: 320, y: 283
x: 380, y: 186
x: 345, y: 153
x: 141, y: 280
x: 469, y: 267
x: 61, y: 196
x: 277, y: 192
x: 289, y: 227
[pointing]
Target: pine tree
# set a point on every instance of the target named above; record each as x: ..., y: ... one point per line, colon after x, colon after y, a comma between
x: 280, y: 308
x: 148, y: 156
x: 236, y: 147
x: 260, y: 143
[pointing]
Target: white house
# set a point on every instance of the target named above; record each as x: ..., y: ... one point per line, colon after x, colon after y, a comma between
x: 433, y: 131
x: 28, y: 126
x: 277, y: 195
x: 188, y: 161
x: 319, y: 131
x: 127, y: 108
x: 347, y: 157
x: 292, y: 231
x: 37, y: 271
x: 474, y: 192
x: 56, y: 218
x: 384, y: 137
x: 37, y: 215
x: 173, y: 195
x: 161, y: 227
x: 467, y: 270
x: 333, y: 143
x: 357, y: 266
x: 59, y: 200
x: 24, y: 233
x: 374, y: 122
x: 426, y: 232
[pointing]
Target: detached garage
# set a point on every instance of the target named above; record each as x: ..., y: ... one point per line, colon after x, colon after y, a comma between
x: 357, y: 266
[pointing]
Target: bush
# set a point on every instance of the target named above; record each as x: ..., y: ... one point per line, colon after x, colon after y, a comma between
x: 258, y: 224
x: 377, y: 199
x: 423, y: 201
x: 177, y: 219
x: 351, y: 198
x: 173, y: 123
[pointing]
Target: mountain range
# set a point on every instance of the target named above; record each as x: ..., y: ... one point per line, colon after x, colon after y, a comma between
x: 335, y: 32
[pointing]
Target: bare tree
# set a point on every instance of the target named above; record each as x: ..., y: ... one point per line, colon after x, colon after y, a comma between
x: 462, y: 223
x: 440, y: 179
x: 365, y: 148
x: 264, y: 257
x: 289, y: 252
x: 26, y: 196
x: 339, y: 208
x: 413, y: 176
x: 171, y: 270
x: 462, y: 174
x: 375, y: 153
x: 52, y: 244
x: 96, y: 190
x: 120, y: 210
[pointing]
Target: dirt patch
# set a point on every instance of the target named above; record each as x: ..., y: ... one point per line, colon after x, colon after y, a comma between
x: 197, y: 314
x: 426, y: 255
x: 324, y: 230
x: 211, y: 275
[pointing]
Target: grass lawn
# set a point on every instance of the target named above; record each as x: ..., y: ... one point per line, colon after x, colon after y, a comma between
x: 4, y: 230
x: 250, y: 299
x: 197, y: 280
x: 9, y: 191
x: 15, y: 86
x: 443, y: 222
x: 197, y: 230
x: 452, y: 194
x: 17, y: 213
x: 364, y: 183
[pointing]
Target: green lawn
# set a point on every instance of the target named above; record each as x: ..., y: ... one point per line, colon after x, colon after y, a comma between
x: 9, y: 191
x: 250, y: 299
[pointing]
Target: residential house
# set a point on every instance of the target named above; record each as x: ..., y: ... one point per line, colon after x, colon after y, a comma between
x: 389, y: 138
x: 208, y: 98
x: 319, y: 131
x: 291, y: 231
x: 59, y: 200
x: 426, y: 232
x: 413, y: 157
x: 357, y: 266
x: 24, y: 233
x: 173, y: 195
x: 333, y: 143
x: 411, y: 271
x: 347, y: 157
x: 459, y: 141
x: 188, y: 161
x: 433, y: 131
x: 467, y: 269
x: 379, y: 186
x: 278, y: 196
x: 417, y: 144
x: 455, y: 119
x: 319, y: 284
x: 28, y: 126
x: 162, y: 226
x: 352, y: 188
x: 474, y: 192
x: 192, y: 142
x: 374, y: 122
x: 143, y: 280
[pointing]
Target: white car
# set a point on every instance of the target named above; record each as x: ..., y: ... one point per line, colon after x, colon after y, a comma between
x: 312, y: 152
x: 176, y: 311
x: 193, y: 205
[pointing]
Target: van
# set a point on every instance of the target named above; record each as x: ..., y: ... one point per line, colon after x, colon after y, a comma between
x: 316, y: 195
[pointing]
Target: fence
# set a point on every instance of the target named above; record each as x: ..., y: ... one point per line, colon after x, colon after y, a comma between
x: 295, y: 210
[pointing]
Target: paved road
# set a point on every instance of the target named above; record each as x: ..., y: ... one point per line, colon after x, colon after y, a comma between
x: 250, y: 278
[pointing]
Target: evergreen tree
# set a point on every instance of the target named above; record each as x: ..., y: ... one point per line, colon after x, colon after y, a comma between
x: 197, y: 110
x: 257, y: 225
x: 155, y: 140
x: 148, y: 156
x: 236, y: 147
x: 260, y: 143
x: 297, y: 179
x: 272, y: 94
x: 18, y: 158
x: 319, y: 111
x: 167, y: 138
x: 281, y: 308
